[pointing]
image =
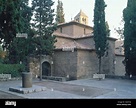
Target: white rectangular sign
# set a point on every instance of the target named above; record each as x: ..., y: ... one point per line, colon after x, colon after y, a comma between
x: 21, y: 35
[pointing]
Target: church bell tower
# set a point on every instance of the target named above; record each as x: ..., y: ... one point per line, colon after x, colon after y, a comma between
x: 81, y: 17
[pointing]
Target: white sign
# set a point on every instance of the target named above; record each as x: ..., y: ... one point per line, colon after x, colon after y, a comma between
x: 68, y: 49
x: 21, y: 35
x: 5, y: 76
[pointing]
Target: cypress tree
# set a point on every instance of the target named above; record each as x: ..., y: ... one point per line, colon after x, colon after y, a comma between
x: 100, y: 32
x: 129, y: 15
x: 60, y: 13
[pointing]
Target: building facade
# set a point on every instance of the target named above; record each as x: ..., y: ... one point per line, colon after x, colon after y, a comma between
x: 74, y: 56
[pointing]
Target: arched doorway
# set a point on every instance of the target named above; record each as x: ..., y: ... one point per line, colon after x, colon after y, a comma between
x: 46, y: 69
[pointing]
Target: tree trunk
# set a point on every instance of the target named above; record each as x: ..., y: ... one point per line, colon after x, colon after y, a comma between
x: 100, y: 65
x: 40, y: 69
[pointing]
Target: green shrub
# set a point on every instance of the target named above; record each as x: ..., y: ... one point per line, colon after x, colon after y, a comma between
x: 14, y: 69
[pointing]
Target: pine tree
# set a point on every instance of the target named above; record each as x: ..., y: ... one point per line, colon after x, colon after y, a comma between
x: 60, y: 13
x: 44, y: 27
x: 20, y: 48
x: 100, y: 32
x: 129, y: 15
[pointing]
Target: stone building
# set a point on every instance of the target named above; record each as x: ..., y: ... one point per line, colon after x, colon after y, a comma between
x: 119, y: 58
x: 74, y: 56
x: 81, y: 17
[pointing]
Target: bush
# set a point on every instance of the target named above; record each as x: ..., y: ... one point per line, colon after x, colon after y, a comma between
x: 14, y: 69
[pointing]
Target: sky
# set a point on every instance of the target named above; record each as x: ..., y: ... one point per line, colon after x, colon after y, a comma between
x: 113, y: 11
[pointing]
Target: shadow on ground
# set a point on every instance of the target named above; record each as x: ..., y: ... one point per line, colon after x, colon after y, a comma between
x: 74, y: 89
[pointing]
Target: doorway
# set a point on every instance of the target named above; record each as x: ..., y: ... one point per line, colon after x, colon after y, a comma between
x: 46, y: 69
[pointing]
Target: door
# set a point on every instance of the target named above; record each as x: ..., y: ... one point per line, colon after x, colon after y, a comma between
x: 46, y: 69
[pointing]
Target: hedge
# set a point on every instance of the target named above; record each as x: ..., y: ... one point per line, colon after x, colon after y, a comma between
x: 14, y: 69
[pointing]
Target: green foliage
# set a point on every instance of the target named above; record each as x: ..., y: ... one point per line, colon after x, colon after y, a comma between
x: 107, y: 29
x: 10, y: 22
x: 129, y: 15
x: 100, y: 32
x: 14, y: 69
x: 43, y: 26
x: 60, y: 13
x: 20, y: 48
x: 15, y: 17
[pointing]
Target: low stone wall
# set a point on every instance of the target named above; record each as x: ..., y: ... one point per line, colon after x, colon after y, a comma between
x: 12, y: 79
x: 97, y: 76
x: 62, y: 79
x: 120, y: 77
x: 5, y: 76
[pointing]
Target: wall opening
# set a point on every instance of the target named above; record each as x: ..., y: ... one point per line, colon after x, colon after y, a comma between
x: 46, y: 69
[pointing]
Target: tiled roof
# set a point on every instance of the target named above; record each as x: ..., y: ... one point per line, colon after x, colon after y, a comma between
x: 62, y: 35
x: 73, y: 22
x: 81, y: 13
x: 72, y: 37
x: 84, y: 46
x: 75, y: 45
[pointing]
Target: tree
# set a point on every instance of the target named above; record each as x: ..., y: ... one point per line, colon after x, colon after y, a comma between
x: 60, y: 13
x: 129, y: 15
x: 20, y: 47
x: 107, y: 29
x: 9, y: 21
x: 100, y: 32
x: 120, y: 30
x: 44, y: 27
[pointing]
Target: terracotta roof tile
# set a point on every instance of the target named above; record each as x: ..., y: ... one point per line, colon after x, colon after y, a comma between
x: 74, y: 44
x: 72, y: 37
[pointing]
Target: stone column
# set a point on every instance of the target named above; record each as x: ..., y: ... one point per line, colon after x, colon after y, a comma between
x: 26, y: 79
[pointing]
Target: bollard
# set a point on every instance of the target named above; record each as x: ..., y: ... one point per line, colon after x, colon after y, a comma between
x: 26, y: 79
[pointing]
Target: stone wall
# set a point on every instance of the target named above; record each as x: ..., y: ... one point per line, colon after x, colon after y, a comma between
x: 66, y: 30
x: 110, y: 59
x: 81, y: 30
x: 74, y: 29
x: 65, y: 64
x: 34, y: 64
x: 119, y: 67
x: 87, y: 64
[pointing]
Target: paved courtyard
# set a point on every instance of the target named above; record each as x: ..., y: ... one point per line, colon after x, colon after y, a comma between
x: 77, y: 89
